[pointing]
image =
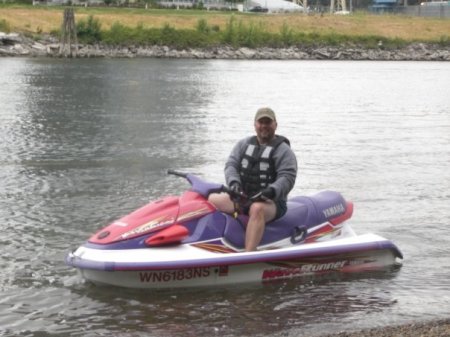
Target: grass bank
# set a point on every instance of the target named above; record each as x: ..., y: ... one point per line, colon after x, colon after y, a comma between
x: 196, y: 28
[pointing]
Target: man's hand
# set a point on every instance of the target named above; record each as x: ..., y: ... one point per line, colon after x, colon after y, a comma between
x: 236, y: 187
x: 236, y: 194
x: 266, y: 194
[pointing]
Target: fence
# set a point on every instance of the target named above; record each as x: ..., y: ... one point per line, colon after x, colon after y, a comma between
x: 440, y: 10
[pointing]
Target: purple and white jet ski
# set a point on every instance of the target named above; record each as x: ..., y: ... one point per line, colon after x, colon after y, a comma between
x: 184, y: 241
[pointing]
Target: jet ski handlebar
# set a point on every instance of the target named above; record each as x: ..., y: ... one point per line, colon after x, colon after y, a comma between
x: 199, y: 185
x: 177, y: 173
x: 206, y: 188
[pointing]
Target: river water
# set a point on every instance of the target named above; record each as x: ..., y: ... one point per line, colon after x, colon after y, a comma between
x: 83, y: 142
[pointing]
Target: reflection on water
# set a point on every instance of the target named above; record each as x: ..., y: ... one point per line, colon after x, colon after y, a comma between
x: 229, y: 311
x: 83, y: 142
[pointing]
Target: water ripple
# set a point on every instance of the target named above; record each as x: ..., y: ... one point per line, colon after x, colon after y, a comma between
x: 83, y: 142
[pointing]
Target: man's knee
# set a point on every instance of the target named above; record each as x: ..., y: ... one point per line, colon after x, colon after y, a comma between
x: 265, y: 209
x: 256, y: 208
x: 221, y: 201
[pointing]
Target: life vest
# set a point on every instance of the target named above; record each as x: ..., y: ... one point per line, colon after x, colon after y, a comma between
x: 257, y: 168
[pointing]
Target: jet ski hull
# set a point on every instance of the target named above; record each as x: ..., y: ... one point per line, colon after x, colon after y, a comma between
x: 185, y: 266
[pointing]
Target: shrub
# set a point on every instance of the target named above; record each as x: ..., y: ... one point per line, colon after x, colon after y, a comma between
x: 236, y: 33
x: 229, y: 35
x: 444, y: 41
x: 4, y: 26
x: 252, y: 36
x: 118, y: 34
x: 286, y: 35
x: 202, y: 26
x: 89, y: 31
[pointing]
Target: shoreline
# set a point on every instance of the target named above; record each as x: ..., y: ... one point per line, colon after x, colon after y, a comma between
x: 433, y: 328
x: 16, y: 45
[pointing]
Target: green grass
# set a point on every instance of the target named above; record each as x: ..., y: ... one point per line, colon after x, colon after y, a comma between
x: 200, y: 28
x: 236, y: 33
x: 4, y: 26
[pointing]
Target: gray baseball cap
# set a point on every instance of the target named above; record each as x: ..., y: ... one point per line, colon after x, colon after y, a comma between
x: 265, y: 112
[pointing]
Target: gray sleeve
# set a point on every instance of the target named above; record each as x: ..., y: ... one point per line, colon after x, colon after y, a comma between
x: 286, y: 167
x: 233, y: 163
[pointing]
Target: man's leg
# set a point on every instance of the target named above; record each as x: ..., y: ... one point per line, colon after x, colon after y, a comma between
x: 222, y: 202
x: 260, y: 213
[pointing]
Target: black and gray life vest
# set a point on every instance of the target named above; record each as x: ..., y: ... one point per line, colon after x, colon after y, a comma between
x: 257, y: 169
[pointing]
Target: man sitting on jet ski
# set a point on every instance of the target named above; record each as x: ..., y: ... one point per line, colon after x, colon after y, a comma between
x: 264, y: 168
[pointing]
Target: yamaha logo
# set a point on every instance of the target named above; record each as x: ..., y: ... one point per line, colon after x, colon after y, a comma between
x: 334, y: 210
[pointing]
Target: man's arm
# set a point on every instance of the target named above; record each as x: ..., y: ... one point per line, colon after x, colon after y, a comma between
x: 286, y: 168
x: 234, y: 162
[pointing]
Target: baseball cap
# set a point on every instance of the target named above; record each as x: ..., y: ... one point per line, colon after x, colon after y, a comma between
x: 265, y: 112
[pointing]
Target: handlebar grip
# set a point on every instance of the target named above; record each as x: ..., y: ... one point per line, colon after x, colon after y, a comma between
x: 177, y: 173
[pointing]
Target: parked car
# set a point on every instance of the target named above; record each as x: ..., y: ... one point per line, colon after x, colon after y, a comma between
x: 258, y: 9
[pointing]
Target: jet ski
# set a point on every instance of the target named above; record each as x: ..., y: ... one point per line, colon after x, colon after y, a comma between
x: 184, y: 241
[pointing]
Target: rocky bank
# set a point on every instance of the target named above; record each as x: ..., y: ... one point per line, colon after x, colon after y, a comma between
x: 437, y: 328
x: 18, y: 45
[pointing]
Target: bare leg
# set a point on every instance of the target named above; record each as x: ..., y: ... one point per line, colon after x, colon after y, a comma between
x: 222, y: 202
x: 260, y: 213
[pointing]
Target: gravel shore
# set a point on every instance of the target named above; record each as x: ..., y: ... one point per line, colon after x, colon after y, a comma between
x: 18, y: 45
x: 437, y: 328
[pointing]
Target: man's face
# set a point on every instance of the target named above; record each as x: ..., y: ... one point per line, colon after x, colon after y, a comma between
x: 265, y: 129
